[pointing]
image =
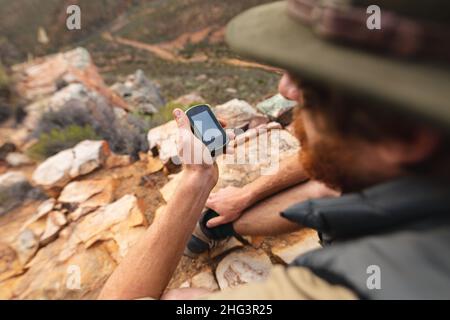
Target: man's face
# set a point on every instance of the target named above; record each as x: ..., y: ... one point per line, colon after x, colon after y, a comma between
x: 347, y: 164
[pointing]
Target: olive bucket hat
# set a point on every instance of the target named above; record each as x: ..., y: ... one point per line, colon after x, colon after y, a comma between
x: 405, y: 64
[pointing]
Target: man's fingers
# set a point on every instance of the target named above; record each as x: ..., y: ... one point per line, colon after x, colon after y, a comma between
x: 230, y: 133
x: 181, y: 119
x: 217, y: 221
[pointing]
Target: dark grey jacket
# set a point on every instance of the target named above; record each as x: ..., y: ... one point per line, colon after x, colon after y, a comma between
x: 391, y: 241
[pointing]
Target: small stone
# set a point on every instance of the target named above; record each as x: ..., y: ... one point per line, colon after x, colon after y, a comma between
x: 17, y: 159
x: 278, y: 108
x: 55, y: 222
x: 242, y: 266
x: 43, y: 209
x: 26, y: 246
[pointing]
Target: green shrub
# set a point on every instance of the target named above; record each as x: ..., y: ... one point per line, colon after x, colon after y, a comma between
x: 164, y: 115
x: 59, y: 130
x: 126, y: 135
x: 60, y: 139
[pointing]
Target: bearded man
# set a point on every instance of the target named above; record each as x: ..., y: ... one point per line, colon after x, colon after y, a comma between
x: 373, y: 121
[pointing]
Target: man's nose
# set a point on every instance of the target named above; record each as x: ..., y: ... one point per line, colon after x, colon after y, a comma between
x: 288, y: 87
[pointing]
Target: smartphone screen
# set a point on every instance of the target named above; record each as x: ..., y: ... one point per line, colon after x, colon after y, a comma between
x: 207, y: 129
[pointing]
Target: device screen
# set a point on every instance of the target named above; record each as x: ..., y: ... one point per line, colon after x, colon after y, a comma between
x: 207, y: 128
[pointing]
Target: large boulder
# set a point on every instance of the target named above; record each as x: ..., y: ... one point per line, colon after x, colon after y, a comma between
x: 257, y: 152
x: 42, y: 77
x: 58, y: 170
x: 162, y: 141
x: 54, y: 172
x: 113, y: 221
x: 78, y: 257
x: 237, y: 113
x: 141, y: 94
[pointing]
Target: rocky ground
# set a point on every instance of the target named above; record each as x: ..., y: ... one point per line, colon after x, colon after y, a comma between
x: 178, y: 43
x: 68, y: 219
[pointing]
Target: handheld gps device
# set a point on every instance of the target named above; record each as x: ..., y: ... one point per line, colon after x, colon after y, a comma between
x: 207, y: 128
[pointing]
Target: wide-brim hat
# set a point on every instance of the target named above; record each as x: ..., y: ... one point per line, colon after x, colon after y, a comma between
x: 405, y: 67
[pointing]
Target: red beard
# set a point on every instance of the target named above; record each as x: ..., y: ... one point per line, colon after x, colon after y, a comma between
x: 331, y: 161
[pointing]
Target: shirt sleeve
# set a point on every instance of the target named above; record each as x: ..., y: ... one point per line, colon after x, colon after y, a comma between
x: 292, y: 283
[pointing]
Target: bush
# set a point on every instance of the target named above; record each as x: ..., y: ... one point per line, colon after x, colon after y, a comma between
x: 60, y: 139
x: 76, y: 121
x: 165, y: 113
x: 125, y: 135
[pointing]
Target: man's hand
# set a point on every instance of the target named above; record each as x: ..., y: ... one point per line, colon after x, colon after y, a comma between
x: 229, y: 203
x: 194, y: 155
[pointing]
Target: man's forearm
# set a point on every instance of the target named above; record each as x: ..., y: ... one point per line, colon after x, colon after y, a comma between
x: 289, y: 174
x: 147, y: 268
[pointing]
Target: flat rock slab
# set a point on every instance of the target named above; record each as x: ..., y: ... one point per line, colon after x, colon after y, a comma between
x: 243, y: 266
x: 296, y: 244
x: 82, y: 191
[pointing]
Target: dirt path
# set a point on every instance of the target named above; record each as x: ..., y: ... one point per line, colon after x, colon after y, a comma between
x: 166, y: 50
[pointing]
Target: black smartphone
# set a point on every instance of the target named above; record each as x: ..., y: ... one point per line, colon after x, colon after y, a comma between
x: 207, y: 128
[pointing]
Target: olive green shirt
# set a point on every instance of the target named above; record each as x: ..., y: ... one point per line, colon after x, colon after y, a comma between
x: 290, y: 283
